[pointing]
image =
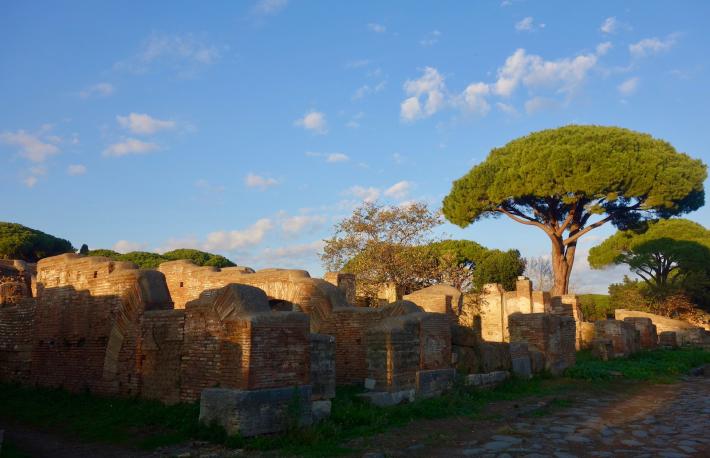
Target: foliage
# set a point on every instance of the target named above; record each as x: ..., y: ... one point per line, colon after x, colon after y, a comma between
x: 570, y: 180
x: 148, y: 260
x: 671, y: 256
x: 200, y: 258
x: 636, y: 295
x: 31, y: 245
x: 84, y: 249
x: 656, y: 366
x: 468, y: 266
x: 377, y: 243
x: 394, y: 245
x: 595, y: 306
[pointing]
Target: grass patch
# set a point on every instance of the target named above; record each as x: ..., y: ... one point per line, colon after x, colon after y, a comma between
x: 150, y: 424
x: 658, y: 366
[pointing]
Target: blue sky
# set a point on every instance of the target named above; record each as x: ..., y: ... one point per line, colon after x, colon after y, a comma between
x: 250, y: 128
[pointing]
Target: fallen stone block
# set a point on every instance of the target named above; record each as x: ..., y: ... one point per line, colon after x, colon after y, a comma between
x: 255, y: 412
x: 487, y: 380
x: 320, y: 410
x: 434, y: 382
x: 387, y: 398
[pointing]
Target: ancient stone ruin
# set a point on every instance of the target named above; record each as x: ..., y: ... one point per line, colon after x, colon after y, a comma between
x: 250, y: 345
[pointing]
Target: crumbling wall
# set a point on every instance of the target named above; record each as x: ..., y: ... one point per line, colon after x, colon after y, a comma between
x: 622, y: 334
x: 648, y: 336
x: 161, y: 350
x: 552, y: 335
x: 16, y: 331
x: 315, y: 297
x: 87, y: 322
x: 234, y: 340
x: 438, y: 299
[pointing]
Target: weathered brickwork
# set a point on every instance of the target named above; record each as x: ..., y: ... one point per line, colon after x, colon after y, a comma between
x: 16, y: 331
x: 686, y: 333
x: 322, y: 366
x: 438, y: 299
x: 648, y: 337
x: 552, y: 335
x: 622, y: 334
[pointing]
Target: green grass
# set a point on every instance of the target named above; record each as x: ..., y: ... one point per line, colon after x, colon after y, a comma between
x: 658, y: 366
x: 150, y: 424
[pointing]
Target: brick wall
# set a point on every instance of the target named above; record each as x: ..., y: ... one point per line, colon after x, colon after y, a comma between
x: 161, y: 349
x: 16, y: 329
x: 552, y: 335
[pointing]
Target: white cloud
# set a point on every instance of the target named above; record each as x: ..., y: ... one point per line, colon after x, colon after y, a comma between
x: 525, y: 25
x: 629, y: 86
x: 506, y: 108
x: 130, y: 146
x: 76, y: 169
x: 474, y: 98
x: 296, y: 225
x: 337, y: 157
x: 97, y: 90
x: 562, y: 75
x: 257, y: 181
x: 354, y: 122
x: 184, y: 53
x: 124, y: 246
x: 610, y: 25
x: 366, y: 194
x: 293, y: 255
x: 366, y: 89
x: 399, y: 190
x: 538, y: 103
x: 31, y: 147
x: 603, y: 48
x: 232, y: 240
x: 143, y: 124
x: 431, y: 38
x: 430, y: 86
x: 314, y: 121
x: 330, y: 157
x: 30, y: 181
x: 651, y: 46
x: 377, y: 28
x: 269, y: 7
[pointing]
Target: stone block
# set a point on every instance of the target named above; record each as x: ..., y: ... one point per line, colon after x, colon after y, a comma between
x: 255, y: 412
x: 537, y: 361
x: 322, y: 366
x: 464, y: 336
x: 387, y: 398
x: 487, y: 380
x: 603, y: 349
x: 466, y: 359
x: 648, y: 338
x: 520, y: 360
x: 320, y: 410
x: 623, y: 335
x: 434, y: 382
x: 494, y: 356
x: 668, y: 339
x: 370, y: 383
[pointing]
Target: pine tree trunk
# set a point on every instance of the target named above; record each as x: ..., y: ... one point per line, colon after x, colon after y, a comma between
x: 560, y: 268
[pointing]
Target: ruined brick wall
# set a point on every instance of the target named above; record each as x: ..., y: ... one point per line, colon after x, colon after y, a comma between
x: 348, y: 325
x: 87, y: 322
x: 16, y: 330
x: 233, y: 340
x: 315, y: 297
x: 322, y: 366
x: 623, y: 335
x: 438, y: 299
x: 161, y: 350
x: 552, y: 335
x: 493, y: 318
x: 393, y: 353
x: 345, y: 282
x: 435, y: 341
x: 648, y: 336
x: 662, y: 323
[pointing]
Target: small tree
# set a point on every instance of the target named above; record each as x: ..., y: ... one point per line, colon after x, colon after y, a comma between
x: 84, y: 249
x: 571, y: 180
x: 377, y: 243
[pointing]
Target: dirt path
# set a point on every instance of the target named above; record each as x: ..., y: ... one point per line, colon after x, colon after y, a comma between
x: 654, y: 420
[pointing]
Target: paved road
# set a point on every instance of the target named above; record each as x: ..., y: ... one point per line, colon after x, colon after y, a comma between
x: 657, y: 421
